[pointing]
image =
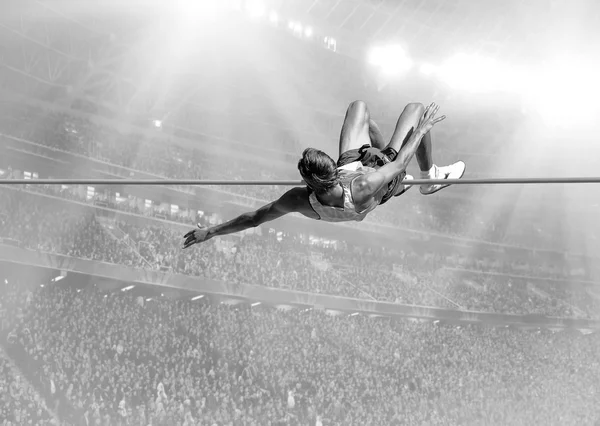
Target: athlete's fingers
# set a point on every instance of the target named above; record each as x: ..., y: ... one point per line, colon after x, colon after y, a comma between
x: 192, y: 231
x: 426, y: 112
x: 431, y: 111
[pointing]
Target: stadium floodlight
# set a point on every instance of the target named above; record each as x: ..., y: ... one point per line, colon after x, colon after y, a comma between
x: 157, y: 123
x: 308, y: 32
x: 273, y: 17
x: 392, y: 60
x: 376, y: 55
x: 332, y: 44
x: 298, y: 29
x: 197, y: 297
x: 291, y: 25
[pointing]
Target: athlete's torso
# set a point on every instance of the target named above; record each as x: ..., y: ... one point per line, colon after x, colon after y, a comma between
x: 351, y: 211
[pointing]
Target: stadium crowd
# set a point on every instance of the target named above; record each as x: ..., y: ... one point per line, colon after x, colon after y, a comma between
x: 20, y: 403
x: 105, y: 358
x: 288, y: 261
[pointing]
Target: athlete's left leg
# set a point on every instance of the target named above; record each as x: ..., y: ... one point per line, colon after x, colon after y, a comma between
x: 408, y: 121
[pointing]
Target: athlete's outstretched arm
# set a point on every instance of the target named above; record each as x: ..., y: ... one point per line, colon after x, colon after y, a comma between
x: 287, y: 203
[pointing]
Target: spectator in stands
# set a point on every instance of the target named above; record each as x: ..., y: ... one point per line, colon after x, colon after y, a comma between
x: 113, y: 360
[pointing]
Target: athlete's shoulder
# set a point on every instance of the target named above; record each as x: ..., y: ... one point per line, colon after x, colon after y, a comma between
x: 297, y: 200
x: 295, y: 197
x: 297, y: 192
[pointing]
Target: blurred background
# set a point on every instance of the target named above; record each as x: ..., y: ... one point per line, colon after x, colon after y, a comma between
x: 479, y: 306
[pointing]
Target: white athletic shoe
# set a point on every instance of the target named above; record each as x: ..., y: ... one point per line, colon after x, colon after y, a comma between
x: 453, y: 171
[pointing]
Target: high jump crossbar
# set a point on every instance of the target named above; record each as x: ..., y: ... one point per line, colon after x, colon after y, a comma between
x: 163, y: 182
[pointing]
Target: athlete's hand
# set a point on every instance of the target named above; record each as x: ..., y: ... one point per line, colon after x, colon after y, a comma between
x: 428, y: 120
x: 196, y: 236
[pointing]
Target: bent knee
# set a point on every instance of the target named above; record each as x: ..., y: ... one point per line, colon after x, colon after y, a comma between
x: 359, y: 109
